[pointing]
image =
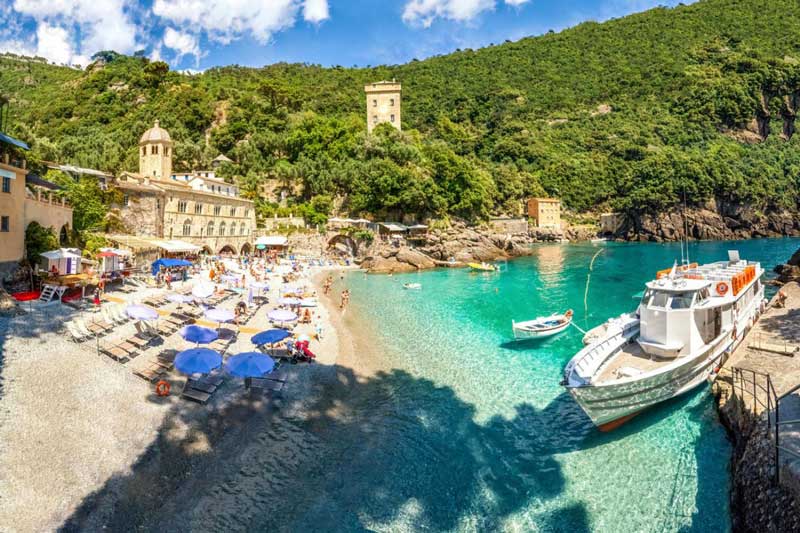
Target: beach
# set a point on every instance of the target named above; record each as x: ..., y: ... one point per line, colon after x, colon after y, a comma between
x: 85, y: 444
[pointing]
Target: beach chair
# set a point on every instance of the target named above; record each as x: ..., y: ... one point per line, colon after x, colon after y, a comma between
x: 190, y: 393
x: 260, y: 385
x: 151, y: 374
x: 76, y: 334
x: 92, y: 329
x: 116, y: 314
x: 114, y: 352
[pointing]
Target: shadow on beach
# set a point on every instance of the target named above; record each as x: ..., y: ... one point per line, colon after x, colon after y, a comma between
x: 388, y: 451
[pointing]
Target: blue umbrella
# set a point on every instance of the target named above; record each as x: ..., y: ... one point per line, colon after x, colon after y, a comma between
x: 198, y: 334
x: 141, y: 312
x: 197, y: 361
x: 249, y: 365
x: 271, y: 336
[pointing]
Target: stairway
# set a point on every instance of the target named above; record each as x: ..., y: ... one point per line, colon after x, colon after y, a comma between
x: 48, y: 291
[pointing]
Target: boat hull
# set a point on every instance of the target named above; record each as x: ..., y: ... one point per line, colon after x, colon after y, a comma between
x: 613, y: 404
x: 522, y: 334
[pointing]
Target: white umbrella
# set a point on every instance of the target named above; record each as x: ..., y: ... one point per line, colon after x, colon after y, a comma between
x: 203, y: 290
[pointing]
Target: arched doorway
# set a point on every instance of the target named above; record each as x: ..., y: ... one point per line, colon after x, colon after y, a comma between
x: 63, y: 235
x: 207, y: 251
x: 343, y: 242
x: 246, y: 249
x: 227, y: 250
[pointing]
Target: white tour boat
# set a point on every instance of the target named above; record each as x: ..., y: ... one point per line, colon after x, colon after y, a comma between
x: 538, y: 328
x: 689, y: 319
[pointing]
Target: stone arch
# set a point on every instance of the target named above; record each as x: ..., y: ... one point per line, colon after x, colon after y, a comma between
x: 246, y: 248
x: 345, y: 240
x: 227, y: 249
x: 207, y: 250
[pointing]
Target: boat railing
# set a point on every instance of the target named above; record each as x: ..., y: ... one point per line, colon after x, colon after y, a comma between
x: 589, y: 361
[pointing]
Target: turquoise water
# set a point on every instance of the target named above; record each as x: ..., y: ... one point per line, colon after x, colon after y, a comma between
x: 480, y: 434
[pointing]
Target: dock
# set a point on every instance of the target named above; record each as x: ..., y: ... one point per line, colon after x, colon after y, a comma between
x: 758, y: 389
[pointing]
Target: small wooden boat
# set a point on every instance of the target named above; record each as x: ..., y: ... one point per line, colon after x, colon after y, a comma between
x: 541, y: 327
x: 482, y: 267
x: 412, y: 286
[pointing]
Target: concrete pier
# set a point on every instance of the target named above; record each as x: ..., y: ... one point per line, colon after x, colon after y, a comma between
x: 763, y: 369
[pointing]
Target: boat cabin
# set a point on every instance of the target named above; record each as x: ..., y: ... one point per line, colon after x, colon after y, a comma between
x: 694, y: 305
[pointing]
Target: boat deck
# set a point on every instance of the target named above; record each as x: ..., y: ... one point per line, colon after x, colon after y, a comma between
x: 627, y: 362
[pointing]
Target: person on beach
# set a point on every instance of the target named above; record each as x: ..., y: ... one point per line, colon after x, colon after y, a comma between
x: 97, y: 297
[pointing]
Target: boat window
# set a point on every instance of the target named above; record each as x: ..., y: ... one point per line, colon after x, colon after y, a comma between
x: 682, y: 300
x: 646, y: 297
x: 659, y: 299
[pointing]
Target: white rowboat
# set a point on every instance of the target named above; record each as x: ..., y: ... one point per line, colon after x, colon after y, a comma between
x: 544, y: 326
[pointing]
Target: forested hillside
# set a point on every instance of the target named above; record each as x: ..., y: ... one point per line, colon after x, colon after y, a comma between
x: 621, y: 115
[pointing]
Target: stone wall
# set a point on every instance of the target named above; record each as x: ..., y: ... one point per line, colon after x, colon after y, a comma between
x: 510, y: 226
x: 141, y: 215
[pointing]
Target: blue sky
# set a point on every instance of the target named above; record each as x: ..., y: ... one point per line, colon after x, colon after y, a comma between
x: 198, y: 34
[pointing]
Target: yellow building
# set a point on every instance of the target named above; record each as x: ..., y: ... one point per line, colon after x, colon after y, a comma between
x: 195, y: 207
x: 383, y: 104
x: 24, y: 199
x: 545, y: 212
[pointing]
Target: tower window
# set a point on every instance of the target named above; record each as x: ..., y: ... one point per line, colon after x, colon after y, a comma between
x: 6, y: 184
x: 391, y: 102
x: 392, y: 118
x: 374, y: 119
x: 374, y: 103
x: 144, y: 150
x: 166, y: 151
x: 4, y: 222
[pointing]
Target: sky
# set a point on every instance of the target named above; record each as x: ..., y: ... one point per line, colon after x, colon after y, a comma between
x: 199, y: 34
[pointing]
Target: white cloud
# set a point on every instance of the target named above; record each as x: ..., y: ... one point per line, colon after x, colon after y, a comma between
x: 183, y: 43
x: 424, y: 12
x: 226, y: 20
x: 100, y: 24
x: 315, y: 11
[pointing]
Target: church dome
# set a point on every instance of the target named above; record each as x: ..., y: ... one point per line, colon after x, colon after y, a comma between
x: 155, y: 134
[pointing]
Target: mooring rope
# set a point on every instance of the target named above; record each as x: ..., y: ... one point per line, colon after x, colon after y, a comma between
x: 588, y: 278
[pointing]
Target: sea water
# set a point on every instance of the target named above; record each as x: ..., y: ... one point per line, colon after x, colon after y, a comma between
x: 470, y: 431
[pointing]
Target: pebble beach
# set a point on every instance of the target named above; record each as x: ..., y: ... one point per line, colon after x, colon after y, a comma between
x: 86, y: 444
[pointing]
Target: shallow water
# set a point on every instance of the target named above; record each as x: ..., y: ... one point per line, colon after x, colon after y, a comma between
x: 473, y: 432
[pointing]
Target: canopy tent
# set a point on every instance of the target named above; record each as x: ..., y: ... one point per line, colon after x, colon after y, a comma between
x: 169, y: 263
x: 11, y: 140
x: 177, y: 246
x: 117, y: 251
x: 109, y: 262
x: 272, y: 241
x: 66, y: 260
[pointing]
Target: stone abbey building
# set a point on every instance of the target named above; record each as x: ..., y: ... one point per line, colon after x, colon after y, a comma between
x: 195, y: 207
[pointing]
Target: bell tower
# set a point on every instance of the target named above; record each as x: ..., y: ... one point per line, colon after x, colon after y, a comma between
x: 155, y: 153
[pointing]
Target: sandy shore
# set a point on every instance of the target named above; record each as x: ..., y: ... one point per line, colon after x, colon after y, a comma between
x: 85, y: 444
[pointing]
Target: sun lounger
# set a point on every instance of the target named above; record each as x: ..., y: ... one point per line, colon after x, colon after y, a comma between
x: 114, y: 352
x: 77, y: 335
x: 195, y: 395
x: 262, y: 384
x: 151, y: 373
x: 138, y: 341
x: 201, y: 386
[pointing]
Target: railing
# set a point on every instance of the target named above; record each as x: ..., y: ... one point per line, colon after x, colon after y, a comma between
x: 758, y: 386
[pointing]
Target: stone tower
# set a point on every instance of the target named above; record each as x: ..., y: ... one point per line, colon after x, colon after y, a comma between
x: 155, y: 154
x: 383, y: 104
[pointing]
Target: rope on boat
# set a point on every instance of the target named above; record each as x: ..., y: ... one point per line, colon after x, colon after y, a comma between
x: 588, y: 278
x: 578, y: 328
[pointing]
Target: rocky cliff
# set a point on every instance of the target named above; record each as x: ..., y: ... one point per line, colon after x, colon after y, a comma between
x: 789, y: 271
x: 462, y: 244
x: 716, y: 221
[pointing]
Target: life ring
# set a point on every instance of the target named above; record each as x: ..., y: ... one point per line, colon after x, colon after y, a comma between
x: 162, y: 388
x: 722, y: 288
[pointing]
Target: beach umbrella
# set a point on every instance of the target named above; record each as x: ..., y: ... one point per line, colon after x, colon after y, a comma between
x: 249, y: 365
x: 203, y: 290
x: 198, y: 334
x: 290, y: 301
x: 141, y: 312
x: 179, y: 298
x: 271, y: 336
x: 197, y: 361
x: 281, y: 315
x: 219, y: 315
